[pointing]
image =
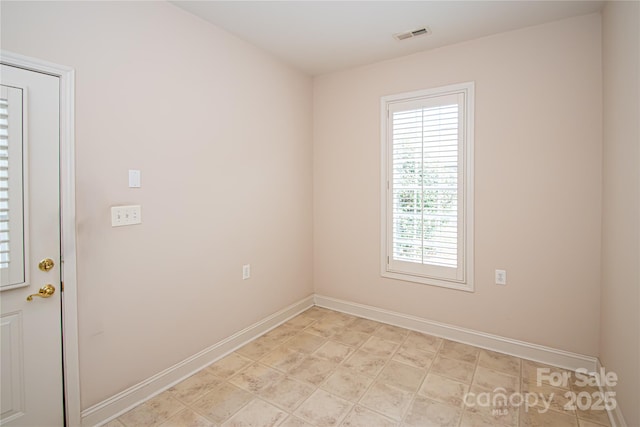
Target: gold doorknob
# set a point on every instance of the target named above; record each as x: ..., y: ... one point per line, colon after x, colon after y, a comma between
x: 45, y: 292
x: 46, y: 264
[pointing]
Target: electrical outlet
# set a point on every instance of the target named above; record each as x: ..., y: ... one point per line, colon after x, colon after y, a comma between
x: 246, y: 271
x: 501, y: 277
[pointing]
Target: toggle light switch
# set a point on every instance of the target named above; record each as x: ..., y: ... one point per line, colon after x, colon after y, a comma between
x: 126, y: 215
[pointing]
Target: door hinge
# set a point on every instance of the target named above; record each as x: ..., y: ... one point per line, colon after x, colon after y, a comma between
x: 61, y: 286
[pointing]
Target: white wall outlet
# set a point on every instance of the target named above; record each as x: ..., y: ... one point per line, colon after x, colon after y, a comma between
x: 126, y: 215
x: 246, y: 271
x: 501, y: 277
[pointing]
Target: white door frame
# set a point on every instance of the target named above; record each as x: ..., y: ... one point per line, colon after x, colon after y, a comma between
x: 69, y: 297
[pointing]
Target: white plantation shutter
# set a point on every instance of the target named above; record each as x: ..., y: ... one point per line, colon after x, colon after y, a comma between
x: 427, y: 186
x: 4, y: 183
x: 12, y: 192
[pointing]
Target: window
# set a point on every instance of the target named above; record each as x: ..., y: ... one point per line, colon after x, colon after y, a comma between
x: 427, y: 186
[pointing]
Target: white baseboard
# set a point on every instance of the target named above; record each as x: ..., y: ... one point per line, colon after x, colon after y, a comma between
x: 615, y: 417
x: 120, y: 403
x: 525, y: 350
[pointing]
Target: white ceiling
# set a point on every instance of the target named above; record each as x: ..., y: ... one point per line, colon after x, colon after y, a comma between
x: 323, y: 36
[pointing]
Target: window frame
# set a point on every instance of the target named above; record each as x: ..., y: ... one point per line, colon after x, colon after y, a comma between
x: 417, y: 273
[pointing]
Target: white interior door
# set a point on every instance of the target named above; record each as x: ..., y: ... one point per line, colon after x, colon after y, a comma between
x: 31, y: 333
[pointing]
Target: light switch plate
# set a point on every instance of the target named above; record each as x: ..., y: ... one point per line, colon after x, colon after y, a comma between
x: 126, y: 215
x: 134, y: 178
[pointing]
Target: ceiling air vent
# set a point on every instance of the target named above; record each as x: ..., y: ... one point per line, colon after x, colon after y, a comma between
x: 411, y: 34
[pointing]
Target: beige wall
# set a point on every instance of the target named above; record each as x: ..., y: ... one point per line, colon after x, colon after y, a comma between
x: 620, y: 318
x: 222, y: 135
x: 537, y: 180
x: 161, y: 91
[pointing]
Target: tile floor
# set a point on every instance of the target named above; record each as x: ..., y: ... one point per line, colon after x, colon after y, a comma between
x: 324, y: 368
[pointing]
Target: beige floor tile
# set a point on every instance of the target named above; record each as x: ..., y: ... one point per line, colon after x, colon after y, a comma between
x: 583, y: 423
x: 583, y: 388
x: 581, y: 381
x: 386, y: 399
x: 414, y: 356
x: 391, y: 333
x: 363, y: 417
x: 337, y: 316
x: 491, y: 380
x: 351, y: 338
x: 283, y: 358
x: 305, y: 343
x: 282, y: 333
x: 292, y: 421
x: 195, y: 386
x: 219, y: 405
x: 473, y: 419
x: 187, y: 418
x: 257, y: 414
x: 286, y: 393
x: 498, y: 415
x: 113, y: 423
x: 423, y: 342
x: 444, y: 390
x: 593, y: 405
x: 323, y: 409
x: 342, y: 319
x: 459, y: 351
x: 365, y: 363
x: 547, y: 419
x: 381, y: 369
x: 598, y: 416
x: 313, y: 370
x: 350, y: 318
x: 454, y: 369
x: 347, y: 384
x: 255, y: 378
x: 364, y: 325
x: 402, y: 376
x: 334, y: 351
x: 229, y: 365
x: 165, y: 403
x: 258, y: 347
x: 141, y: 416
x: 426, y: 412
x: 546, y: 395
x: 499, y: 362
x: 324, y: 328
x: 300, y: 321
x: 533, y: 371
x: 379, y: 347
